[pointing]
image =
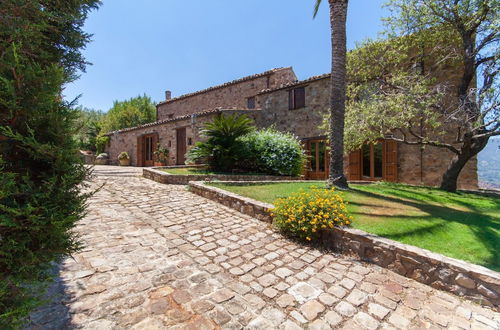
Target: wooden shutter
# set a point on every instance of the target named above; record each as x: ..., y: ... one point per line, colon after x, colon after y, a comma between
x: 355, y: 165
x: 300, y: 97
x: 390, y: 152
x: 155, y: 146
x: 290, y: 100
x: 139, y: 152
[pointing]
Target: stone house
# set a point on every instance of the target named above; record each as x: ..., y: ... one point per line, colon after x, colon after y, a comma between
x: 276, y: 98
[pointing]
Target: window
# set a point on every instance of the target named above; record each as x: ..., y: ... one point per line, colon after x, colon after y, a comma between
x: 190, y: 141
x: 251, y: 102
x: 296, y: 98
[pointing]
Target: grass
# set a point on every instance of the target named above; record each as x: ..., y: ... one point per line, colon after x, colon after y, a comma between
x: 460, y: 225
x: 201, y: 171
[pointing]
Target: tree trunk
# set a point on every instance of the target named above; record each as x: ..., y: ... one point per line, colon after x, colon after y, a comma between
x: 338, y: 17
x: 469, y: 149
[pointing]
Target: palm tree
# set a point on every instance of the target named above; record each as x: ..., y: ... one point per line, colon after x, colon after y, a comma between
x: 338, y: 17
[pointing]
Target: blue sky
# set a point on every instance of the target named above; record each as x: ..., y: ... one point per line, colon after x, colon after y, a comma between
x: 153, y: 45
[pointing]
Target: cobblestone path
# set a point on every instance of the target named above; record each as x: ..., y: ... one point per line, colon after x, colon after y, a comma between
x: 159, y: 257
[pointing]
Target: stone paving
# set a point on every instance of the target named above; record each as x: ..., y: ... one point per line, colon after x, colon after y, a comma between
x: 160, y: 257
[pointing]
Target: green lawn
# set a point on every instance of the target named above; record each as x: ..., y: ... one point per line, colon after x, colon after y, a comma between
x: 200, y: 171
x: 459, y: 225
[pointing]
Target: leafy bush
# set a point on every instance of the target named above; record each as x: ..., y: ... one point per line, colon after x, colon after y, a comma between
x: 305, y: 214
x: 273, y: 152
x: 100, y: 143
x: 222, y: 150
x: 161, y: 153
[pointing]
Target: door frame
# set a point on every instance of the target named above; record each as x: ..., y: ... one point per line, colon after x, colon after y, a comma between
x: 180, y: 157
x: 316, y: 174
x: 389, y: 163
x: 141, y: 149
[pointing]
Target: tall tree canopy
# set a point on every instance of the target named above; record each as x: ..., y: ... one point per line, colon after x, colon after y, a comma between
x: 40, y: 172
x: 338, y: 18
x: 435, y: 78
x: 133, y: 112
x: 88, y: 128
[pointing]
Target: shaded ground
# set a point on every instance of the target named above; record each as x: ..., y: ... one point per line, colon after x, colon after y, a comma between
x: 159, y: 257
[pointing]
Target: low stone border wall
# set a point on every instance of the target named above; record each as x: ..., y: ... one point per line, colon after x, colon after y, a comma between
x: 157, y: 175
x: 459, y: 277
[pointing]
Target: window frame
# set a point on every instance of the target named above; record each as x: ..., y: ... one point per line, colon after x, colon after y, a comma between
x: 293, y: 102
x: 251, y: 101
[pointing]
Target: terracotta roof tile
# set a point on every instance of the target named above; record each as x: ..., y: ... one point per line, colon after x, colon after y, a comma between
x: 296, y: 83
x: 155, y: 123
x: 258, y: 75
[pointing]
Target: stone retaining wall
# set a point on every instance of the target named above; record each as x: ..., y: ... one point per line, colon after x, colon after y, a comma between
x: 459, y: 277
x: 157, y: 175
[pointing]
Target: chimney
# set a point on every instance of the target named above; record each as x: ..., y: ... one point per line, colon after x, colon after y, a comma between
x: 168, y: 95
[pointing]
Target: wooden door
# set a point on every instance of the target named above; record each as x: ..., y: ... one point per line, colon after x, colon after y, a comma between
x: 148, y: 147
x: 354, y: 168
x: 375, y: 162
x: 181, y: 146
x: 318, y: 164
x: 390, y: 161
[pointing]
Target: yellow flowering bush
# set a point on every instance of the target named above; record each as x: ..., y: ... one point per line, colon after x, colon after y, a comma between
x: 305, y: 214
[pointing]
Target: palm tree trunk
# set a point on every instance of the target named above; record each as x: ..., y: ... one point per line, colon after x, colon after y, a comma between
x: 338, y: 17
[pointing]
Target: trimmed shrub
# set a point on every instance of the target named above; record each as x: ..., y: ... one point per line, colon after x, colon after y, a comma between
x: 272, y: 152
x: 305, y: 214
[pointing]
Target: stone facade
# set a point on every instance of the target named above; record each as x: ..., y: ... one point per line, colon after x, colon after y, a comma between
x: 126, y: 140
x: 233, y: 94
x: 415, y: 165
x: 303, y: 122
x: 271, y: 91
x: 456, y: 276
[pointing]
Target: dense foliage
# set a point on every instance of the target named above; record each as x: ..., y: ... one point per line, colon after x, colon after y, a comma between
x: 273, y: 152
x: 305, y: 214
x: 88, y: 128
x: 130, y: 113
x: 40, y: 172
x: 457, y: 40
x: 233, y: 144
x: 221, y: 149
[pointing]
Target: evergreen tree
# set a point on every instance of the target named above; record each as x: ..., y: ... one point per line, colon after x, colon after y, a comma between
x: 41, y: 175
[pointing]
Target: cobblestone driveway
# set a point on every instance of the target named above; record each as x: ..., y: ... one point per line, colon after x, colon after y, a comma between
x: 158, y: 257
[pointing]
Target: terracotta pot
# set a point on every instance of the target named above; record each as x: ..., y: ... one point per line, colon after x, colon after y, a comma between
x: 124, y: 162
x: 157, y: 164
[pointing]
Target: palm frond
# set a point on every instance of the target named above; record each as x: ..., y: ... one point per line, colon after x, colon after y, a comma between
x: 316, y: 8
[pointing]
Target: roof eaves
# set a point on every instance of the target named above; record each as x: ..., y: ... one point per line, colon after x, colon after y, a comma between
x: 233, y: 82
x: 297, y: 83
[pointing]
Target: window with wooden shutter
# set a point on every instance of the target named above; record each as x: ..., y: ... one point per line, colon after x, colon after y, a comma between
x: 251, y: 102
x: 296, y: 98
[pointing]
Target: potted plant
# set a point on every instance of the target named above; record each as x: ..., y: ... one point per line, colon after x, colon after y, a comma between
x: 124, y: 159
x: 101, y: 159
x: 161, y: 154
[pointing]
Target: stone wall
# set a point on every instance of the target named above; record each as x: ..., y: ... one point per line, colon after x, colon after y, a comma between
x: 156, y: 174
x: 230, y: 95
x: 126, y: 140
x: 456, y: 276
x: 304, y: 122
